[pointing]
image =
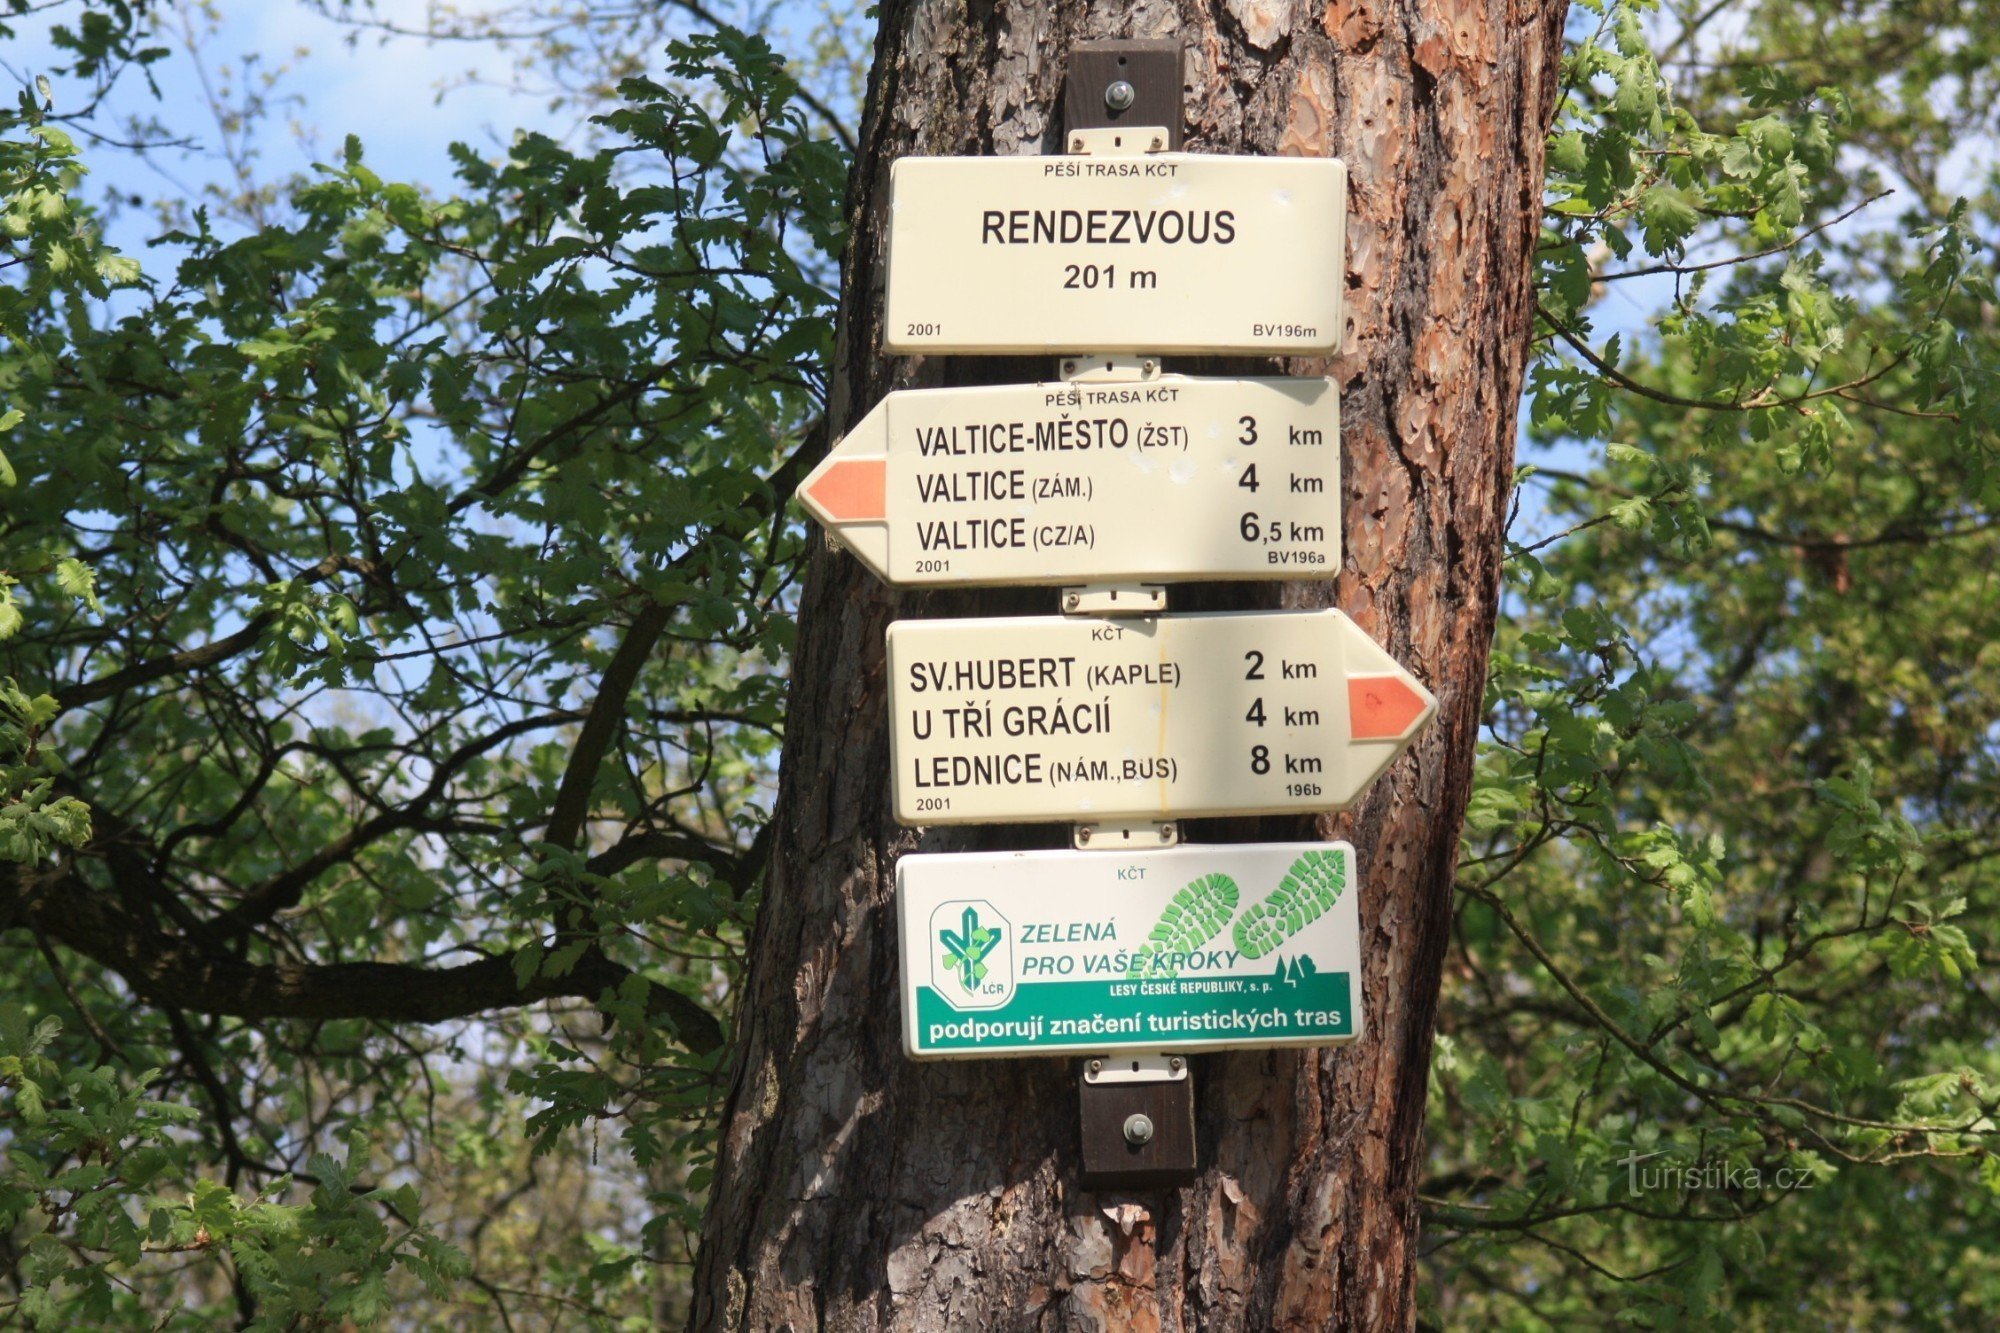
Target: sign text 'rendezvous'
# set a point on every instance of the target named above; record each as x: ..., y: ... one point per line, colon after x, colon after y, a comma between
x: 1107, y: 226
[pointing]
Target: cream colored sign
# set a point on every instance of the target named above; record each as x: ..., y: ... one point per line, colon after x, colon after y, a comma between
x: 1165, y: 252
x: 1172, y: 478
x: 1079, y: 718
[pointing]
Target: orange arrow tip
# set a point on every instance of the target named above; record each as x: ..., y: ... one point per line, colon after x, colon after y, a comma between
x: 1382, y: 708
x: 852, y: 490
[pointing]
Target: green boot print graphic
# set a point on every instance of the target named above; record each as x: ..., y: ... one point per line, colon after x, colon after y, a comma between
x: 1308, y: 892
x: 1194, y: 917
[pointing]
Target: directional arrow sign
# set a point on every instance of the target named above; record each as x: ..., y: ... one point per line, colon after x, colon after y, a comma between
x: 1168, y: 252
x: 1172, y: 478
x: 1186, y: 949
x: 1077, y: 718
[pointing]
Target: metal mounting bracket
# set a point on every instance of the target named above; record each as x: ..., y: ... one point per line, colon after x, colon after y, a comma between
x: 1114, y: 599
x: 1135, y: 1067
x: 1113, y: 835
x: 1137, y: 1122
x: 1126, y: 84
x: 1109, y: 368
x: 1118, y: 143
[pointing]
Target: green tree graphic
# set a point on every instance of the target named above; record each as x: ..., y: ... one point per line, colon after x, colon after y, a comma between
x: 966, y: 949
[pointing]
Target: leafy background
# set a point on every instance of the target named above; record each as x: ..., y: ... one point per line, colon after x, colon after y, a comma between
x: 395, y: 595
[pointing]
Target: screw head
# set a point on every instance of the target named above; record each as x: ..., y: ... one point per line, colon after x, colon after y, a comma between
x: 1120, y: 96
x: 1176, y: 1064
x: 1150, y: 366
x: 1076, y: 145
x: 1138, y: 1129
x: 1097, y: 1066
x: 1083, y: 834
x: 1072, y: 601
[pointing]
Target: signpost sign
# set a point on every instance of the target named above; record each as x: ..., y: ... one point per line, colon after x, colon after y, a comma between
x: 1155, y: 252
x: 1183, y: 949
x: 1041, y: 483
x: 1119, y: 253
x: 1081, y: 718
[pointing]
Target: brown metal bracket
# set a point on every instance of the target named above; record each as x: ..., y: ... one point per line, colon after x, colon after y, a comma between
x: 1125, y: 82
x: 1138, y: 1122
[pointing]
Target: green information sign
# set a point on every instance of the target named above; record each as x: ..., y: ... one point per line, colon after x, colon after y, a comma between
x: 1182, y: 949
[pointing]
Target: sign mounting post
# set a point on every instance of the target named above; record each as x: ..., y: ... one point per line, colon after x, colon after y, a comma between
x: 1109, y: 483
x: 1149, y: 70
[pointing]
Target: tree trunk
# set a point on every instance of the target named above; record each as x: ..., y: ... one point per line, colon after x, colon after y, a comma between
x: 856, y: 1189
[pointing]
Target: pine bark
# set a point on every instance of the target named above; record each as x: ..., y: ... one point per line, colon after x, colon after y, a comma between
x: 858, y: 1190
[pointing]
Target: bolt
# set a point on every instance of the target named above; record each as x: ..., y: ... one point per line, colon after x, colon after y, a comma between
x: 1158, y: 143
x: 1149, y: 366
x: 1138, y: 1130
x: 1083, y: 834
x: 1096, y: 1067
x: 1177, y: 1064
x: 1166, y: 833
x: 1069, y: 367
x: 1071, y: 601
x: 1076, y: 144
x: 1120, y: 96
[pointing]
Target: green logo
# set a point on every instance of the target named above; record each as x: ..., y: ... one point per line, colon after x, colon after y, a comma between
x: 1198, y: 913
x: 966, y: 949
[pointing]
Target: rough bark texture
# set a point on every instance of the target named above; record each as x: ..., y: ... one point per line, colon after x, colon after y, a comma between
x: 859, y: 1190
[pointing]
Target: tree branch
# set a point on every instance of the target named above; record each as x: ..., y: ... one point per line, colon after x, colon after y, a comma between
x: 284, y: 890
x: 607, y: 715
x: 193, y: 659
x: 180, y: 972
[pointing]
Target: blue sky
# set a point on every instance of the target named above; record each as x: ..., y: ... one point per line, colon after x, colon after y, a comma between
x: 328, y: 81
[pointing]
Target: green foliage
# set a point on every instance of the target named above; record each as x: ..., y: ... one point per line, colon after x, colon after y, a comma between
x: 394, y: 603
x: 34, y: 820
x: 1718, y: 1049
x: 401, y: 583
x: 101, y: 1187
